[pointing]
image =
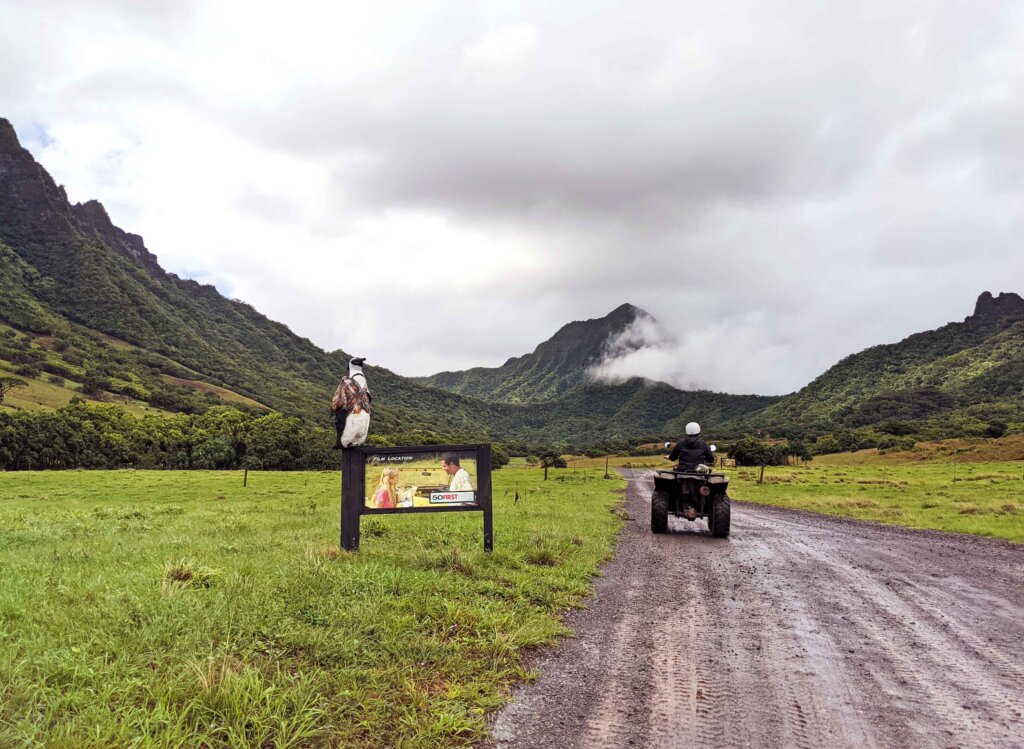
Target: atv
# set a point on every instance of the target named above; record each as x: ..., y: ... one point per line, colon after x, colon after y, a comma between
x: 700, y: 493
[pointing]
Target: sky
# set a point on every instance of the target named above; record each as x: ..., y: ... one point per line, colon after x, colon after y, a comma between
x: 440, y: 185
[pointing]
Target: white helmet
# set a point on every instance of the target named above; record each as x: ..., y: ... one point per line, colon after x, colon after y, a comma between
x: 692, y: 429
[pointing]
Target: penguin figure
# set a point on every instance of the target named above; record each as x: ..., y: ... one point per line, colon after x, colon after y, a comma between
x: 351, y: 407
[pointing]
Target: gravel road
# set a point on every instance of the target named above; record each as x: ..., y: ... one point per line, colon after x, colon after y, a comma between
x: 800, y: 630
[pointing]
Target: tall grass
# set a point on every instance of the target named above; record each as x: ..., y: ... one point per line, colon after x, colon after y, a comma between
x: 981, y: 498
x: 176, y: 609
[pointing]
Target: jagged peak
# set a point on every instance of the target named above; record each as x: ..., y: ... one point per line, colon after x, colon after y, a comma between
x: 92, y: 217
x: 621, y: 316
x: 94, y: 209
x: 40, y: 207
x: 1006, y: 305
x: 8, y: 136
x: 629, y: 310
x: 611, y: 324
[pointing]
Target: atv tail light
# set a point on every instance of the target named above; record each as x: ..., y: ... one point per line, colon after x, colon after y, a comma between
x: 705, y: 491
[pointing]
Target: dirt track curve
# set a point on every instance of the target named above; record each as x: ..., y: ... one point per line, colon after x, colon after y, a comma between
x: 799, y: 630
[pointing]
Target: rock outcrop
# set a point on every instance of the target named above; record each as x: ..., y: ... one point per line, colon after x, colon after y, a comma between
x: 995, y: 308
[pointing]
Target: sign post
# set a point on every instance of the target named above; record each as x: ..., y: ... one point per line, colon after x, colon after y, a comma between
x: 405, y: 480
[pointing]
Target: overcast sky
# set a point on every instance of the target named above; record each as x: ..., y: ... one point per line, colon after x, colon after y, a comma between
x: 443, y: 185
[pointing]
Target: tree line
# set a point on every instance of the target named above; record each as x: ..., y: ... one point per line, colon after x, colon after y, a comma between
x: 85, y: 435
x: 82, y: 435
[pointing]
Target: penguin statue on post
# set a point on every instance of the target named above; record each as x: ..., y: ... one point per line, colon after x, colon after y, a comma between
x: 351, y: 407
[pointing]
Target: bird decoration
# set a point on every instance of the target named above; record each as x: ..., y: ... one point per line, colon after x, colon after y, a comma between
x: 351, y: 407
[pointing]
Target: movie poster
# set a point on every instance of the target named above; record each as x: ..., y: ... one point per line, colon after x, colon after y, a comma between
x: 421, y: 479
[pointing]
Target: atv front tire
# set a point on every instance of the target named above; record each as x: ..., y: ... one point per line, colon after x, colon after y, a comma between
x: 718, y: 520
x: 659, y: 511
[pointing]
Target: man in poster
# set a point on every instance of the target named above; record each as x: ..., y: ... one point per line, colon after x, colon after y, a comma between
x: 459, y: 478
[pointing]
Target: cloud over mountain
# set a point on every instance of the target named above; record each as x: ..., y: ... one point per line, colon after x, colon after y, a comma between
x: 780, y: 184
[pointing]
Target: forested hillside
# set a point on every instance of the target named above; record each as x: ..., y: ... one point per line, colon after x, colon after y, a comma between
x: 554, y: 368
x: 81, y: 274
x: 86, y: 312
x: 554, y: 386
x: 963, y: 379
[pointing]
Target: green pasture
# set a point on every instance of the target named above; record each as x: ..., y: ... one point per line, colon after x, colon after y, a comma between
x: 39, y: 394
x: 986, y: 499
x: 179, y: 609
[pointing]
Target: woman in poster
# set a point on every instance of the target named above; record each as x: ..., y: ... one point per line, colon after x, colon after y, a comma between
x: 386, y: 496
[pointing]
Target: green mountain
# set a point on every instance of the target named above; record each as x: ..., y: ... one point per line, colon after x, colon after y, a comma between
x: 87, y: 311
x: 616, y: 416
x: 554, y: 368
x: 118, y: 318
x: 552, y: 387
x: 963, y: 378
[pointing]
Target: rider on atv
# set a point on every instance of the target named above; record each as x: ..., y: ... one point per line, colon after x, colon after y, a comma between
x: 692, y: 451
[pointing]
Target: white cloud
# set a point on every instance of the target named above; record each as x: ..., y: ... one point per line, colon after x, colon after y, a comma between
x: 441, y: 185
x: 719, y: 357
x: 503, y: 53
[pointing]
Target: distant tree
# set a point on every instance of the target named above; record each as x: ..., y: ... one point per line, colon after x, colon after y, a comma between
x: 752, y: 452
x: 94, y: 384
x: 216, y: 452
x: 896, y: 427
x: 552, y: 460
x: 826, y: 444
x: 995, y: 429
x: 7, y: 384
x: 798, y: 450
x: 499, y: 457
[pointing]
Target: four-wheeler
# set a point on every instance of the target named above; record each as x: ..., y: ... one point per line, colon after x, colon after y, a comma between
x: 691, y: 494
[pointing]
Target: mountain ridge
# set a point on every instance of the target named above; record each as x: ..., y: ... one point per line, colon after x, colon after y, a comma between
x: 80, y: 280
x: 73, y: 284
x: 961, y: 376
x: 552, y: 369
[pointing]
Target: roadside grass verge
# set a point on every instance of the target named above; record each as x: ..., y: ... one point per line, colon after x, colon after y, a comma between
x: 179, y: 609
x: 986, y: 499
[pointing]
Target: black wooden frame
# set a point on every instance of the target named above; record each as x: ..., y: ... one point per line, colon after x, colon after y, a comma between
x: 353, y: 487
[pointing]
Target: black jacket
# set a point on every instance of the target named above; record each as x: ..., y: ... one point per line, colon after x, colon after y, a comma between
x: 690, y: 451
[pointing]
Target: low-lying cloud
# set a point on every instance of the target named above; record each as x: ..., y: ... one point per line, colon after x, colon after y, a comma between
x: 701, y: 358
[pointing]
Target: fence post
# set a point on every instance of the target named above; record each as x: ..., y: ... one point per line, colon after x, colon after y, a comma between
x: 351, y: 496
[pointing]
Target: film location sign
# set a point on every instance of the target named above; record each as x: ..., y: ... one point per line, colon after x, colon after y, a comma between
x: 428, y: 478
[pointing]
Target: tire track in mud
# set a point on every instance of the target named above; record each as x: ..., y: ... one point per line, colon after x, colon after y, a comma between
x: 609, y: 723
x: 928, y: 669
x: 800, y: 630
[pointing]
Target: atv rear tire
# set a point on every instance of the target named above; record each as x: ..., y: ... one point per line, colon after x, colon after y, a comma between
x: 659, y: 511
x: 718, y: 520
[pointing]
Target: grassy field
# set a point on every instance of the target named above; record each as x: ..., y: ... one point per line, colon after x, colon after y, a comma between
x: 177, y: 609
x: 967, y: 497
x: 42, y: 395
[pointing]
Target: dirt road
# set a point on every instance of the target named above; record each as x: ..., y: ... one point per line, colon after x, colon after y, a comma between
x: 798, y: 631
